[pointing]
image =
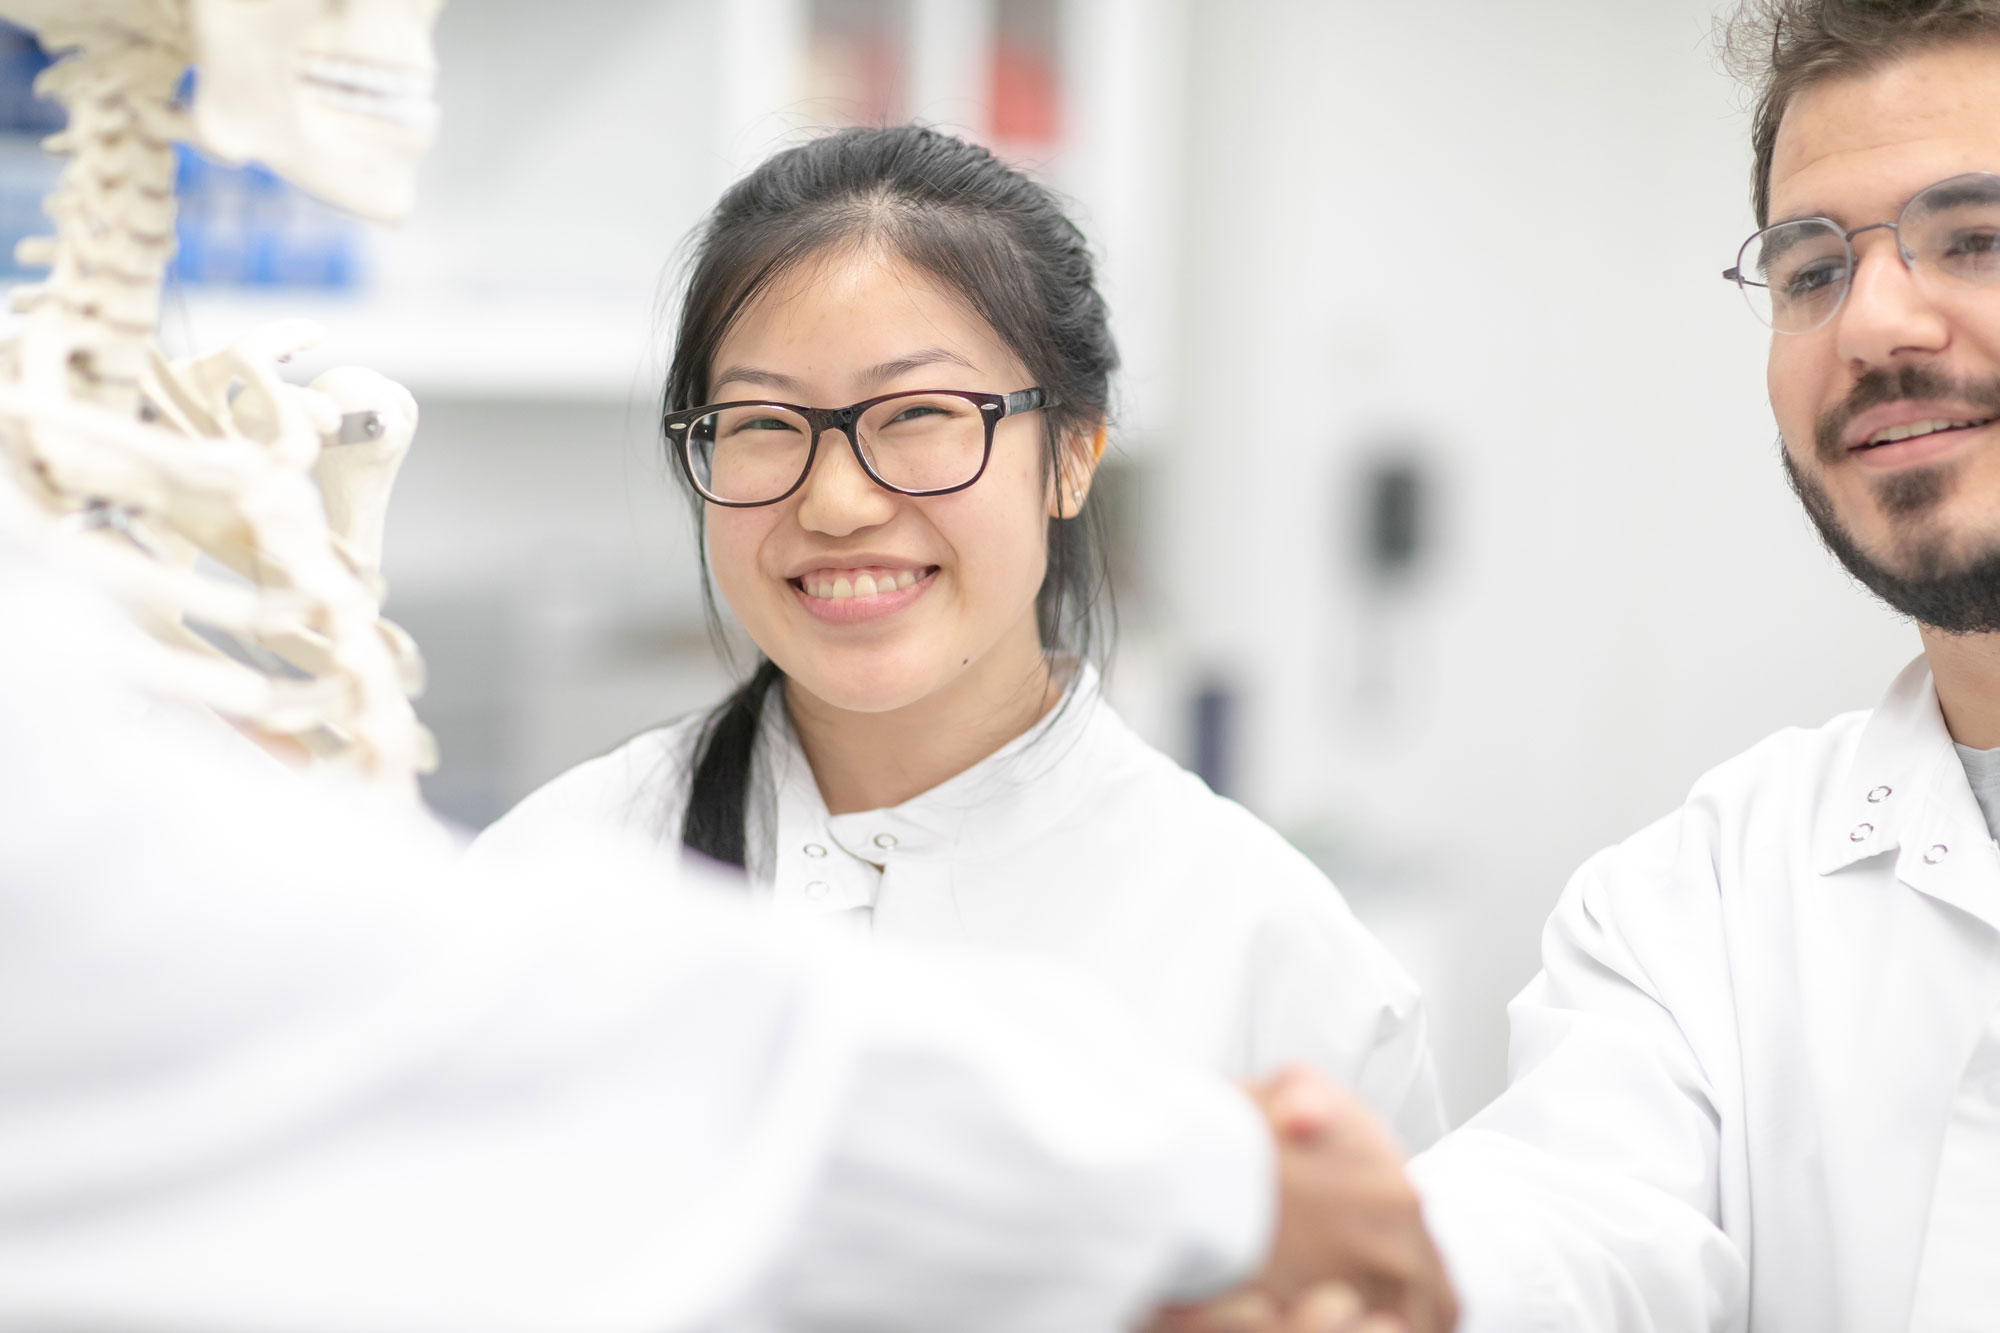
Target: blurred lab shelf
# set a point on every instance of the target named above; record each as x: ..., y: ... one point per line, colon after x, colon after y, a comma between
x: 539, y: 346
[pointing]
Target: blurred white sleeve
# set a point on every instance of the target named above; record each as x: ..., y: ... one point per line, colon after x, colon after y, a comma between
x: 1327, y: 994
x: 1586, y: 1198
x: 269, y: 1060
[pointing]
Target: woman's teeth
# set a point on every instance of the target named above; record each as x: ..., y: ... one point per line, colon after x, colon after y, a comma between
x: 830, y: 584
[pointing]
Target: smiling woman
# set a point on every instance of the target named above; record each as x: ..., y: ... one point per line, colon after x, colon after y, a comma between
x: 888, y: 397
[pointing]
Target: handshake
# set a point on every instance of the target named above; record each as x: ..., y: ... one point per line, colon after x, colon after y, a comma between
x: 1350, y: 1253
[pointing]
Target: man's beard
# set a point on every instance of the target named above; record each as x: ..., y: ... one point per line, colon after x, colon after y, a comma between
x: 1957, y: 596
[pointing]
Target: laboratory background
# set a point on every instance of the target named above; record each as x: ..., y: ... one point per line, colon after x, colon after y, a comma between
x: 1449, y: 528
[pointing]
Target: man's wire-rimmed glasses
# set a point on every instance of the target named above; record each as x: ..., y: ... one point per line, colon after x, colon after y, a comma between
x: 922, y: 442
x: 1796, y: 274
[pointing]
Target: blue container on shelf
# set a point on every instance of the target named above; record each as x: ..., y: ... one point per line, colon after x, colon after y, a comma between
x: 244, y: 227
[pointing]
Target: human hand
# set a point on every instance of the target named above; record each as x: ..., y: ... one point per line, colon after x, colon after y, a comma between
x: 1332, y: 1308
x: 1347, y: 1215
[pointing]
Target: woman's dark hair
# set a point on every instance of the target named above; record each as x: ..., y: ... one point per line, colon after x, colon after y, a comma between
x: 1782, y: 47
x: 987, y: 234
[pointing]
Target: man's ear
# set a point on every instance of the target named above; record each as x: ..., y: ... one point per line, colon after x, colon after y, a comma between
x: 1081, y: 453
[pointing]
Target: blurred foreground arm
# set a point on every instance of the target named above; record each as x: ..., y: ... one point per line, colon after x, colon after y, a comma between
x: 267, y: 1063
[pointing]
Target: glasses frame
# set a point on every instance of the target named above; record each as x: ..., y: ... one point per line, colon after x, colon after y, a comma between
x: 679, y: 427
x: 1736, y: 275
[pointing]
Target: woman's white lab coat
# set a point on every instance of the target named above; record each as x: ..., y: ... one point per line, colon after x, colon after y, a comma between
x: 1758, y: 1079
x: 1077, y: 841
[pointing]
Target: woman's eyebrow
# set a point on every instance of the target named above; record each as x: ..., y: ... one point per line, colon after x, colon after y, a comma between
x: 930, y: 356
x: 768, y: 379
x: 874, y: 375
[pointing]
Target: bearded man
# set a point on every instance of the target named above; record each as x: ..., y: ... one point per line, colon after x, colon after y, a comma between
x: 1757, y: 1082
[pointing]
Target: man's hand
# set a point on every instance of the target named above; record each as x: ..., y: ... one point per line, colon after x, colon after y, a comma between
x: 1346, y: 1210
x: 1350, y: 1236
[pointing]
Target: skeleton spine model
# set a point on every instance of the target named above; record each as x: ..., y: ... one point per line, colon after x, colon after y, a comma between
x: 138, y: 468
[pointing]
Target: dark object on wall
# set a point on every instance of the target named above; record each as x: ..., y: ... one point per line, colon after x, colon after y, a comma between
x: 1215, y: 735
x: 1396, y: 495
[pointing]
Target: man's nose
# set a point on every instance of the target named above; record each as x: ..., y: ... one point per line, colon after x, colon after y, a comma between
x: 839, y: 498
x: 1887, y: 315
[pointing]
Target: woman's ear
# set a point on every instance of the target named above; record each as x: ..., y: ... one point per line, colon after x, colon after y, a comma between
x: 1081, y: 453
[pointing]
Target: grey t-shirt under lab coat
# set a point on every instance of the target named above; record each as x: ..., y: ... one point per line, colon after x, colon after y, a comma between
x: 1982, y: 769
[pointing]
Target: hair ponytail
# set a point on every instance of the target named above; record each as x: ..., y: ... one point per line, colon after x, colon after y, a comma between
x: 719, y: 790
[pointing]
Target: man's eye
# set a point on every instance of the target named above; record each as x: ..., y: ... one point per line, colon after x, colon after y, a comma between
x: 1814, y: 279
x: 1973, y: 244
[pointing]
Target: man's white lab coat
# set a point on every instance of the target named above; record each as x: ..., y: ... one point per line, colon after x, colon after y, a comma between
x: 1758, y: 1079
x: 266, y: 1065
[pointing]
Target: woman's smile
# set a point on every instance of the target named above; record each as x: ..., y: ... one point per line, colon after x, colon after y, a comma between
x: 843, y: 596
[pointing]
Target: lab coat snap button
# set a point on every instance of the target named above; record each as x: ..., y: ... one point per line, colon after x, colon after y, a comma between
x: 885, y: 840
x: 1861, y: 834
x: 817, y: 890
x: 1879, y: 795
x: 815, y: 851
x: 1936, y: 854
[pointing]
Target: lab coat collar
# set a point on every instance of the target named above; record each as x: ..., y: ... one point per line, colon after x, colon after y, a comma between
x: 1905, y: 792
x: 1016, y: 793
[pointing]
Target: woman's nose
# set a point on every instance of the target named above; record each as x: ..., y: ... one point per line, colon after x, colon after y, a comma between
x: 838, y: 497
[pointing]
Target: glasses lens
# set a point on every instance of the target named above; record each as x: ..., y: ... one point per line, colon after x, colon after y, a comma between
x: 750, y: 453
x: 925, y: 441
x: 1952, y: 230
x: 1795, y: 274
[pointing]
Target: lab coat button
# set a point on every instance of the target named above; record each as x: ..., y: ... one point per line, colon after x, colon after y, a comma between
x: 815, y: 851
x: 1861, y: 833
x: 817, y: 890
x: 1880, y: 794
x: 885, y: 840
x: 1937, y: 853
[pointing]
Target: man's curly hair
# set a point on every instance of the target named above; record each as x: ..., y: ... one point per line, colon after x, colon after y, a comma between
x: 1781, y: 47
